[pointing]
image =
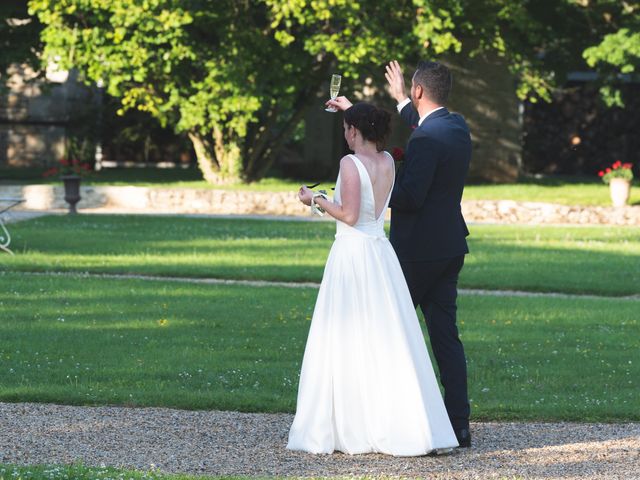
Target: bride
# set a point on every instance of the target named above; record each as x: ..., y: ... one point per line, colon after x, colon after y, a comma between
x: 367, y: 384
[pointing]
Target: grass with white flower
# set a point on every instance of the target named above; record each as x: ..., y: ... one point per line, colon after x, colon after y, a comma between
x: 87, y: 340
x: 96, y: 341
x: 81, y: 472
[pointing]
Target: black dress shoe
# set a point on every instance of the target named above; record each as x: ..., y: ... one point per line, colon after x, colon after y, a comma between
x: 464, y: 437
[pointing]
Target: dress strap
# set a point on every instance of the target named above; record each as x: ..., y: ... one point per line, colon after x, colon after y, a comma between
x: 360, y: 166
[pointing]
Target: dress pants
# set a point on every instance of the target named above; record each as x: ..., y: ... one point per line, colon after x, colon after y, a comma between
x: 434, y: 286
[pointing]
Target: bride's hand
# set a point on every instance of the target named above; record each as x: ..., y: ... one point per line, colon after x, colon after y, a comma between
x: 305, y: 195
x: 341, y: 103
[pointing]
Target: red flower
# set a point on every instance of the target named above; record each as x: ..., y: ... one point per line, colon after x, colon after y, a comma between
x: 50, y: 172
x: 398, y: 154
x: 617, y: 170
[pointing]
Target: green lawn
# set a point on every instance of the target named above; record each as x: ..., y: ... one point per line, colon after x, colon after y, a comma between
x: 599, y: 260
x: 80, y: 472
x: 78, y: 340
x: 585, y: 193
x: 87, y: 340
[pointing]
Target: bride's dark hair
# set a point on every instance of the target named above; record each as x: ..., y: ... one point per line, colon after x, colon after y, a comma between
x: 373, y: 122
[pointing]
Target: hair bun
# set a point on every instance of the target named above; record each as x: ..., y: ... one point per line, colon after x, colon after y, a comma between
x: 373, y: 122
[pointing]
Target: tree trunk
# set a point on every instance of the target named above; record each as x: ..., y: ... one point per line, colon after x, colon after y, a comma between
x: 223, y: 159
x: 261, y: 155
x: 219, y: 163
x: 229, y: 157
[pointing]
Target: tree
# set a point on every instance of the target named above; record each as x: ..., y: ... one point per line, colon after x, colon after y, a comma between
x: 237, y: 75
x: 619, y: 51
x: 543, y: 40
x: 19, y: 36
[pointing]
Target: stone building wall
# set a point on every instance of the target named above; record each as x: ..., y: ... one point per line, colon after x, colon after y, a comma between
x: 484, y: 92
x: 34, y: 116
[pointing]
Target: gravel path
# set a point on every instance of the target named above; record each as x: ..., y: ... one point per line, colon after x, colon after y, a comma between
x: 231, y: 443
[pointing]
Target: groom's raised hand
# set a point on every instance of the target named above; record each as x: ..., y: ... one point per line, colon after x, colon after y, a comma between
x: 395, y: 79
x: 341, y: 103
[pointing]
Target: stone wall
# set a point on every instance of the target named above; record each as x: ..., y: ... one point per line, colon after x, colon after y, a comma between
x: 34, y: 116
x: 230, y: 202
x: 484, y: 93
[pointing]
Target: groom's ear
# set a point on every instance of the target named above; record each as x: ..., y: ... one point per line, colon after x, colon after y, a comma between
x: 418, y: 91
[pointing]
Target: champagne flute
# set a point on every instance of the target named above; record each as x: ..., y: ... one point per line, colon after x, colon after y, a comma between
x: 334, y: 88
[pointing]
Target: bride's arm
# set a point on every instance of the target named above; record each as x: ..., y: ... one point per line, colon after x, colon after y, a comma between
x: 349, y: 211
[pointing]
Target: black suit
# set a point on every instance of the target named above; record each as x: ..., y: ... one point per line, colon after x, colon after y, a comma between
x: 428, y: 234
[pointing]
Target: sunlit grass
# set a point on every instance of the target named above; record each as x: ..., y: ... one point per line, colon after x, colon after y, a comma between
x: 81, y: 472
x: 588, y: 193
x: 77, y: 340
x: 599, y: 260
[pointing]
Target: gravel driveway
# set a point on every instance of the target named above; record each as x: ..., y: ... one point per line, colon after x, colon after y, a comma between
x: 231, y: 443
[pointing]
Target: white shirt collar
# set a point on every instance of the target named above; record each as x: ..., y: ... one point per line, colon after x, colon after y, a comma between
x: 407, y: 101
x: 424, y: 117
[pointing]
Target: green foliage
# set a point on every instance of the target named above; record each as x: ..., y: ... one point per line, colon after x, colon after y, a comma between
x: 237, y: 77
x: 19, y: 36
x: 543, y: 41
x: 620, y: 51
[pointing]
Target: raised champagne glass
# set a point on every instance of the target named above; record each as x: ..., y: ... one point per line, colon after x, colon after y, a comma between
x: 334, y: 88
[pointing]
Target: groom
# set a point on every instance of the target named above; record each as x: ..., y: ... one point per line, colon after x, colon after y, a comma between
x: 428, y: 231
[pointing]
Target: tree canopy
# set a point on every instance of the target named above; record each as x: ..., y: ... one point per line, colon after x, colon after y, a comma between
x: 19, y: 36
x: 619, y: 51
x: 237, y: 76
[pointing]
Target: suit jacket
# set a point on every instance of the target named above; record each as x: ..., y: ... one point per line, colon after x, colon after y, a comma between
x: 426, y: 219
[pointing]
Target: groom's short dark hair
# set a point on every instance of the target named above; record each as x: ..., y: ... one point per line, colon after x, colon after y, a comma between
x: 435, y: 78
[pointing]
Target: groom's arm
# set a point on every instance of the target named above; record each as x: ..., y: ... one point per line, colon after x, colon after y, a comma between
x: 416, y: 175
x: 397, y: 90
x: 408, y: 113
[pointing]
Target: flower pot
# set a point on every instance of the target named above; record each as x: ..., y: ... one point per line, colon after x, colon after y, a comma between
x: 619, y: 189
x: 71, y: 191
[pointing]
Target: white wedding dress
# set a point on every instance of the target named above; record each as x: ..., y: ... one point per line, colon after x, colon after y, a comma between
x: 367, y: 384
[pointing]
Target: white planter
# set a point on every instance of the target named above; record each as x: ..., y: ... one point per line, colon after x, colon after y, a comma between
x: 619, y: 189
